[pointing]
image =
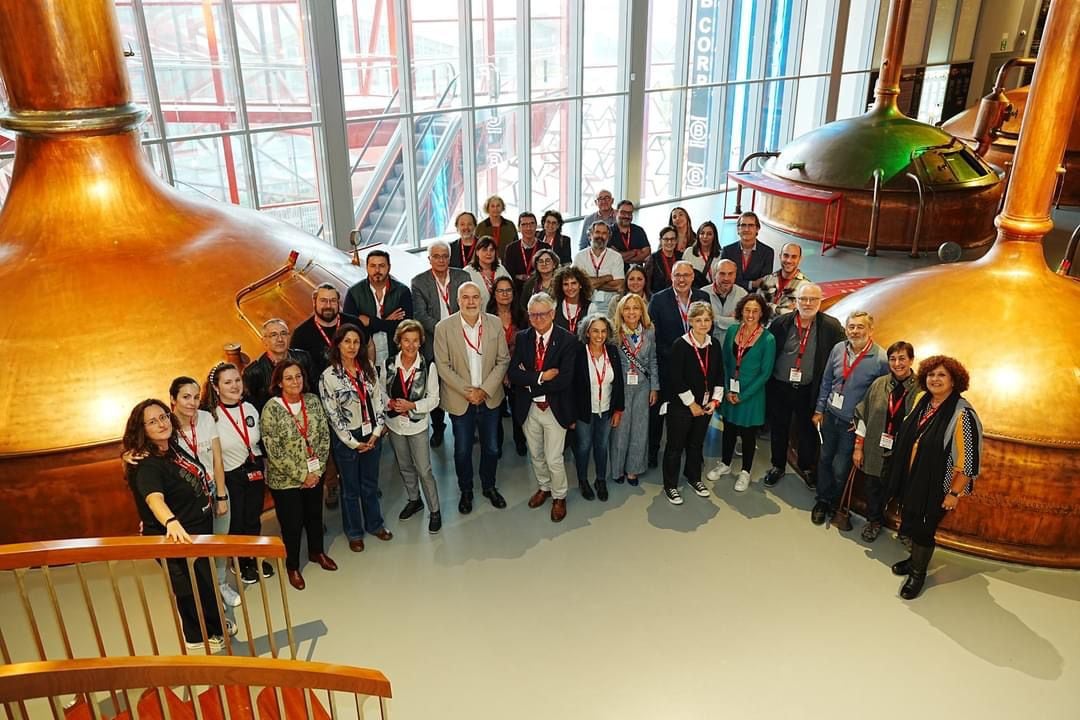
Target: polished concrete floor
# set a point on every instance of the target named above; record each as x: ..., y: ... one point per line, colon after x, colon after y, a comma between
x: 732, y: 606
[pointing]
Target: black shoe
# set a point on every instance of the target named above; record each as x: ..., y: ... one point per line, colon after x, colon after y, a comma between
x: 810, y: 478
x: 819, y: 513
x: 619, y: 480
x: 772, y: 477
x: 632, y: 482
x: 601, y: 490
x: 521, y: 448
x: 913, y: 585
x: 411, y: 508
x: 464, y: 506
x: 434, y: 524
x: 249, y: 574
x: 902, y: 568
x: 586, y: 490
x: 496, y: 499
x: 267, y: 569
x: 437, y: 436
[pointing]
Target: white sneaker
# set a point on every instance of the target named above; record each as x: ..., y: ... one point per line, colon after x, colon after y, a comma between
x: 230, y: 627
x: 673, y: 496
x: 719, y: 471
x: 216, y: 643
x: 742, y: 482
x: 229, y: 596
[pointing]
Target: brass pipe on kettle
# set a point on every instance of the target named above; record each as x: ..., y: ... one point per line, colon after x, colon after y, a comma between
x: 875, y: 213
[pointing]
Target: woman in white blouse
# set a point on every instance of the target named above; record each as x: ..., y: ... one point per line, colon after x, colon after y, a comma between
x: 598, y: 385
x: 411, y: 391
x: 352, y: 396
x: 485, y: 268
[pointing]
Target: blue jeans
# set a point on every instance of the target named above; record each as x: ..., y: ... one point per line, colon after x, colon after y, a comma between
x: 465, y: 425
x: 837, y: 444
x: 359, y: 473
x: 593, y: 435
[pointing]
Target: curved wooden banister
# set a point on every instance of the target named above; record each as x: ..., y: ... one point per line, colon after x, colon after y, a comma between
x: 83, y: 550
x: 31, y: 680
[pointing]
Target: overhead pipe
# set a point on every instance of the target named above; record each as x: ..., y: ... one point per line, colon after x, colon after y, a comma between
x: 995, y: 109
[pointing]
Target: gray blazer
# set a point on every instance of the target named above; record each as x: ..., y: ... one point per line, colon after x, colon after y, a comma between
x: 452, y: 363
x: 427, y: 304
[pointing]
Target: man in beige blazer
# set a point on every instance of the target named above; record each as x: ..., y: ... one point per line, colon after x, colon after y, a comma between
x: 471, y: 357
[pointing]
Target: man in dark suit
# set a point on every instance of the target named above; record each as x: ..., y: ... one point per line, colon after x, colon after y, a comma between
x: 435, y: 299
x: 381, y: 302
x: 668, y: 310
x: 753, y: 260
x: 803, y: 341
x: 275, y: 336
x: 315, y: 334
x: 542, y: 367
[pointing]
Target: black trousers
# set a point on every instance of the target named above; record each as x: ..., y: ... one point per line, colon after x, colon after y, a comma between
x: 732, y: 432
x: 438, y: 421
x: 782, y: 401
x: 876, y: 489
x: 685, y: 434
x: 299, y: 510
x: 519, y: 432
x: 185, y: 594
x: 246, y: 503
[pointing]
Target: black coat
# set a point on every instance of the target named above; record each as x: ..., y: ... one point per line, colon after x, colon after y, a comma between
x: 828, y: 331
x: 664, y: 311
x: 683, y: 372
x: 561, y: 353
x: 583, y: 378
x: 760, y: 265
x: 257, y: 377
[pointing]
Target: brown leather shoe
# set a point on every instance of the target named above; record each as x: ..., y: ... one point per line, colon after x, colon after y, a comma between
x: 324, y: 561
x: 384, y: 535
x: 296, y: 579
x: 539, y: 498
x: 558, y: 510
x: 357, y: 545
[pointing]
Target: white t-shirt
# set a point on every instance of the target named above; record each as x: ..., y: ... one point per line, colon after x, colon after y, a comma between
x: 201, y: 441
x: 474, y: 349
x: 234, y: 452
x: 601, y: 375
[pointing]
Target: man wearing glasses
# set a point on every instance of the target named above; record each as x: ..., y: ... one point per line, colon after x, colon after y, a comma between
x: 804, y: 340
x: 275, y: 337
x: 669, y: 310
x: 626, y: 237
x: 753, y: 260
x: 605, y: 212
x: 542, y: 367
x: 435, y: 299
x: 520, y: 253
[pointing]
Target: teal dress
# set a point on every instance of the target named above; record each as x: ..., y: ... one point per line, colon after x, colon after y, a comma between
x: 757, y: 366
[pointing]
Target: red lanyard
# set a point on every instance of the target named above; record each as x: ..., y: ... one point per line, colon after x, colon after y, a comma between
x: 195, y: 469
x: 848, y: 369
x: 323, y: 332
x: 406, y: 387
x: 478, y: 347
x: 303, y: 430
x: 468, y: 260
x: 509, y: 331
x: 241, y: 429
x: 527, y: 259
x: 597, y: 265
x: 928, y: 415
x: 746, y: 259
x: 740, y: 350
x: 601, y: 373
x: 361, y: 392
x: 193, y: 441
x: 804, y: 337
x: 684, y: 311
x: 444, y: 290
x: 541, y: 352
x: 667, y: 264
x: 703, y: 362
x: 571, y: 321
x: 893, y: 407
x: 781, y: 285
x: 625, y: 239
x: 379, y: 304
x: 488, y: 283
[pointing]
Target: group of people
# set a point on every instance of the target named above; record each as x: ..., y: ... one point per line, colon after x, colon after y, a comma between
x: 596, y: 351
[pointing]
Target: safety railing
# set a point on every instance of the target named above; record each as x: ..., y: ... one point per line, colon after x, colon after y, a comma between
x: 210, y: 687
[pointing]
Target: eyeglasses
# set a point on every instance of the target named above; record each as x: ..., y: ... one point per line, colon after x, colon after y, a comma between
x: 540, y: 315
x: 544, y: 259
x: 504, y: 290
x: 808, y: 300
x: 277, y: 335
x: 164, y: 420
x: 669, y: 237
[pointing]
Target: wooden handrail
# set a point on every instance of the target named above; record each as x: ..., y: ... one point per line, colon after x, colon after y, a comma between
x: 83, y: 550
x: 31, y: 680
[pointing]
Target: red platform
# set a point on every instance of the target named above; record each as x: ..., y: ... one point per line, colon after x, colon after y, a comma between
x: 831, y: 199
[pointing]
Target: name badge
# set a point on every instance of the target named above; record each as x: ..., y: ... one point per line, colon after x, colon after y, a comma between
x: 886, y: 441
x: 365, y: 429
x: 836, y: 400
x: 795, y: 375
x: 733, y: 386
x: 663, y: 409
x: 313, y: 465
x: 255, y: 475
x: 631, y: 378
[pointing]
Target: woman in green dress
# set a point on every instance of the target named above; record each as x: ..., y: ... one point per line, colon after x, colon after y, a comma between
x: 749, y: 353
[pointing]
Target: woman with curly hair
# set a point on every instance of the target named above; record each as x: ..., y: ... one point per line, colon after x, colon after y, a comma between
x: 936, y: 459
x: 572, y: 296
